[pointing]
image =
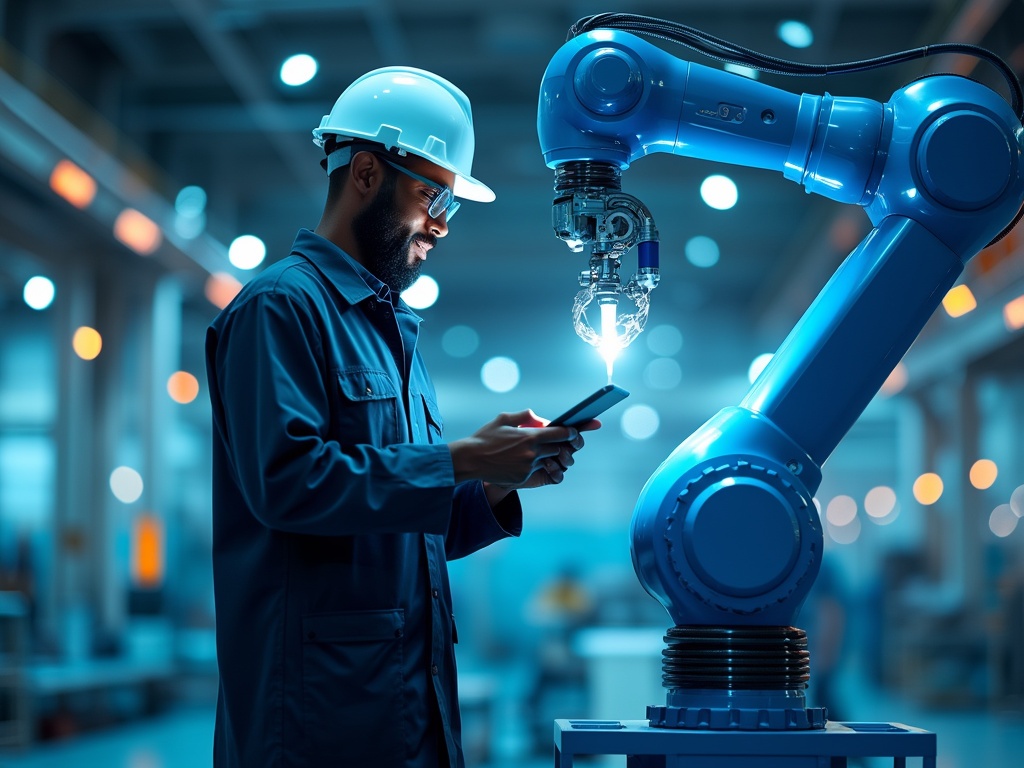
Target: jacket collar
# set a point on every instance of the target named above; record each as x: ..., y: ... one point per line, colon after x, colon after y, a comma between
x: 352, y: 280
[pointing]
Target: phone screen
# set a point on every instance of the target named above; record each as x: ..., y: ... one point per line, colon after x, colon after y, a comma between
x: 591, y: 406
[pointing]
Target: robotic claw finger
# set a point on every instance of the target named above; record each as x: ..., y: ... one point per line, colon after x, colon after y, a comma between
x: 724, y: 533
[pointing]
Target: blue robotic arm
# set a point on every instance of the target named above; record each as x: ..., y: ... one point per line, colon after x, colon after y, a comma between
x: 724, y: 534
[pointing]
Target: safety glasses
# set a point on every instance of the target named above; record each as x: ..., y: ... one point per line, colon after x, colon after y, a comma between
x: 443, y: 201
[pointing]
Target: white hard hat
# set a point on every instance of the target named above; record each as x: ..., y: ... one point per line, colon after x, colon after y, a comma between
x: 414, y: 111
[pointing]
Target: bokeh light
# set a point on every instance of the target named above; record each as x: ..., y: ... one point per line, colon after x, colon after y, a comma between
x: 423, y: 293
x: 664, y: 340
x: 38, y: 292
x: 87, y: 343
x: 983, y: 473
x: 1002, y: 521
x: 880, y: 502
x: 719, y: 192
x: 928, y: 488
x: 247, y: 252
x: 795, y: 34
x: 758, y: 364
x: 183, y: 387
x: 640, y: 422
x: 841, y: 511
x: 298, y: 69
x: 663, y: 373
x: 460, y: 341
x: 701, y: 251
x: 126, y: 484
x: 500, y: 374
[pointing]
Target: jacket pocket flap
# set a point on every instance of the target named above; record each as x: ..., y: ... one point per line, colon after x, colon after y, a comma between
x: 362, y: 384
x: 353, y: 626
x: 433, y: 413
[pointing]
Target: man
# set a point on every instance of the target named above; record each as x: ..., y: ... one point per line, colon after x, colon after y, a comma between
x: 336, y: 502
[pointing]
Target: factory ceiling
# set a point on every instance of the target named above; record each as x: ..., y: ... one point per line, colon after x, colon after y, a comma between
x: 168, y: 93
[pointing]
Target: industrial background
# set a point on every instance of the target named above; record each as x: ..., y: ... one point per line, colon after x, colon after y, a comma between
x: 139, y: 139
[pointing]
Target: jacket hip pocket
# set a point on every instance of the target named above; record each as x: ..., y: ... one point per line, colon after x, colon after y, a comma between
x: 352, y: 688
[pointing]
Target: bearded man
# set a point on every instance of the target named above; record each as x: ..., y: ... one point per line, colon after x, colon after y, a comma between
x: 336, y: 500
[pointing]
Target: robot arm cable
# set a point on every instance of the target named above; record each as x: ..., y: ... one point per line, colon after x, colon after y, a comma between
x: 724, y: 50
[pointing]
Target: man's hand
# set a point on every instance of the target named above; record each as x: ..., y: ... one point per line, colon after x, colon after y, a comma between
x: 517, y: 450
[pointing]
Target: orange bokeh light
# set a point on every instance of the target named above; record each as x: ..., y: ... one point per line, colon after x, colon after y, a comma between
x: 959, y: 301
x: 221, y: 288
x: 137, y: 231
x: 983, y: 473
x: 928, y: 488
x: 147, y: 552
x: 896, y: 380
x: 183, y: 387
x: 73, y: 184
x: 87, y: 343
x: 1013, y: 314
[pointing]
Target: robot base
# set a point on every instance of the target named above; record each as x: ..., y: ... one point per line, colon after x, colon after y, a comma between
x: 648, y: 747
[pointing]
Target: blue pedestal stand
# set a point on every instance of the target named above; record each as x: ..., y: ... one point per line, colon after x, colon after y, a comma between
x: 830, y: 747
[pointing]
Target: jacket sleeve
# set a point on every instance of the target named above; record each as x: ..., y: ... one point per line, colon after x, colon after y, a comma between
x: 271, y: 412
x: 474, y: 525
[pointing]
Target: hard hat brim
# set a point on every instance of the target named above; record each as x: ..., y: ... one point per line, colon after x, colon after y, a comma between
x: 469, y: 188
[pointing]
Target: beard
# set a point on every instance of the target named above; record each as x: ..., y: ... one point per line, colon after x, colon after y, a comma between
x: 385, y: 241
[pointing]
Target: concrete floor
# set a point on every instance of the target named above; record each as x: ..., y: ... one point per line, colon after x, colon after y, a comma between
x: 182, y: 738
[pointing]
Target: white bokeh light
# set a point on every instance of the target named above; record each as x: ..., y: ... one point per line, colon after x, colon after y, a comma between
x: 841, y: 511
x: 39, y: 292
x: 298, y: 69
x: 757, y: 365
x: 1002, y: 521
x: 126, y: 484
x: 719, y: 192
x: 640, y: 422
x: 1017, y: 501
x: 423, y: 293
x: 845, y: 534
x: 247, y: 252
x: 880, y: 502
x: 500, y: 374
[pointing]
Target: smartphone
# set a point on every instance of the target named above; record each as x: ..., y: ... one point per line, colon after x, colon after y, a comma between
x: 589, y: 407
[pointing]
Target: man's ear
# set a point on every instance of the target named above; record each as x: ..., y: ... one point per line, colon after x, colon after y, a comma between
x: 365, y: 173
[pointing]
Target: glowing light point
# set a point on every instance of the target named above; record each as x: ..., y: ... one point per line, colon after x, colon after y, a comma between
x: 38, y: 292
x: 610, y: 345
x: 247, y: 252
x: 298, y: 69
x: 928, y: 488
x: 719, y: 192
x: 126, y: 484
x: 983, y: 473
x: 87, y: 343
x: 423, y: 293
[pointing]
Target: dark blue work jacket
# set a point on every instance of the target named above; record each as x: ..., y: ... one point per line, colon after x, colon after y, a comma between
x: 334, y: 511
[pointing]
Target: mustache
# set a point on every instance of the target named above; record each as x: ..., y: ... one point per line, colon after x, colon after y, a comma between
x: 428, y: 239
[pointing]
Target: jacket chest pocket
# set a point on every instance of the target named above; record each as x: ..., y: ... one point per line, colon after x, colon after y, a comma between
x: 368, y: 408
x: 435, y: 427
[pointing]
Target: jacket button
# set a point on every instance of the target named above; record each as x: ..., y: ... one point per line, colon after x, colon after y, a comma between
x: 433, y: 669
x: 369, y: 391
x: 435, y: 593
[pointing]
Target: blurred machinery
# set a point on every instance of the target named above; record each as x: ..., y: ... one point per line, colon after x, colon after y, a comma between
x: 725, y: 534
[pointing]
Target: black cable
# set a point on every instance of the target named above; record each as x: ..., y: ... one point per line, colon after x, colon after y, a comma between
x: 724, y: 50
